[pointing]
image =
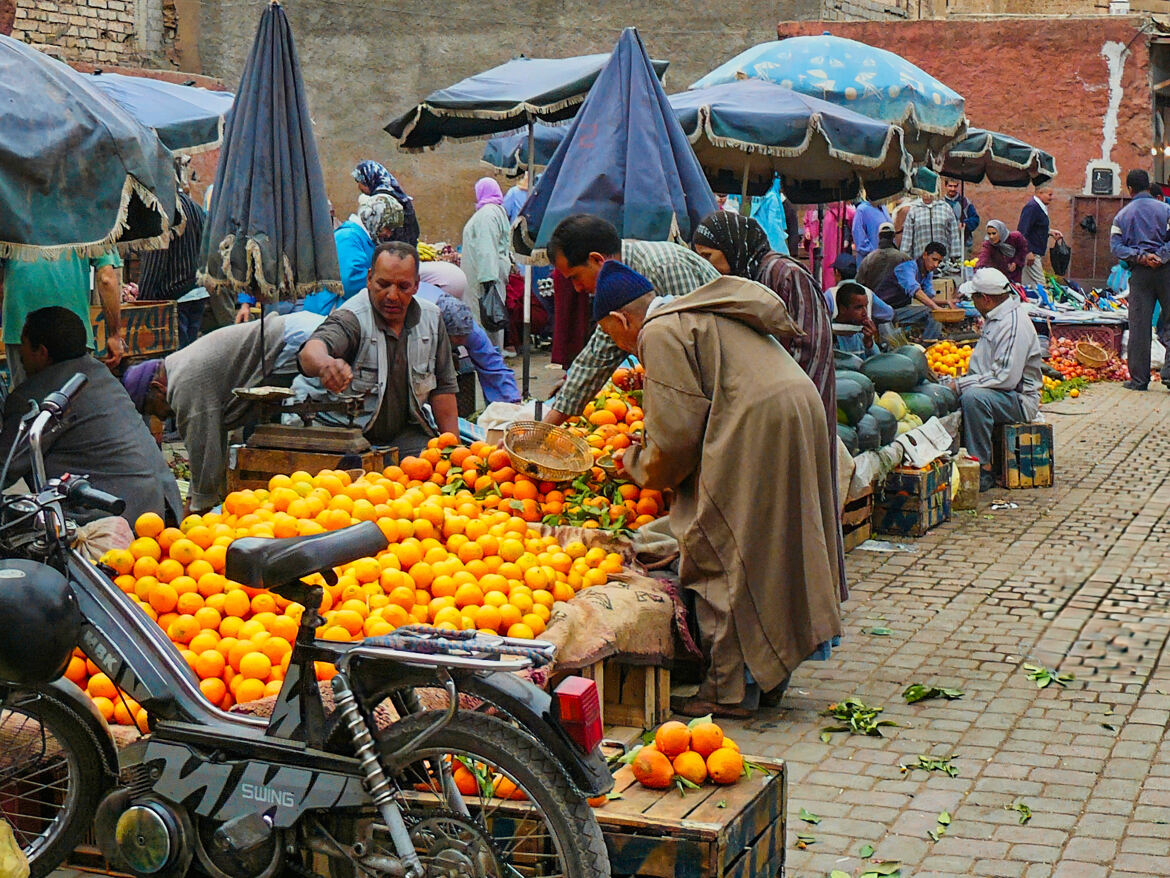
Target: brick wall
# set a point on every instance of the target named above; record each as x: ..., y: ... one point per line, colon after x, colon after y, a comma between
x: 97, y: 31
x: 868, y: 10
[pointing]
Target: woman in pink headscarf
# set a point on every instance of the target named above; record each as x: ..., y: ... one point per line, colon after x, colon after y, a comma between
x: 486, y: 255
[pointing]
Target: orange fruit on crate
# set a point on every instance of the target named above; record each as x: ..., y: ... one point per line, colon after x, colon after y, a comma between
x: 706, y: 738
x: 690, y: 766
x: 652, y: 769
x: 672, y: 738
x: 725, y: 766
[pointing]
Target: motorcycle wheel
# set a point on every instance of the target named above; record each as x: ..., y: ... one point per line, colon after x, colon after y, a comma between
x: 545, y: 829
x: 51, y: 778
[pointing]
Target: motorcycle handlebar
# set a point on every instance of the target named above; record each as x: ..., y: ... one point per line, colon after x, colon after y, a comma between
x: 58, y: 401
x: 80, y: 493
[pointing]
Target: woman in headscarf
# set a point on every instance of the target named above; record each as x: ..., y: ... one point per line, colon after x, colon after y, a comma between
x: 372, y: 179
x: 486, y: 255
x: 738, y: 245
x: 377, y: 219
x: 1004, y: 250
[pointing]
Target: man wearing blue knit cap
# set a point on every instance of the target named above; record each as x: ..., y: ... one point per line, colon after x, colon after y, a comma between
x: 728, y: 410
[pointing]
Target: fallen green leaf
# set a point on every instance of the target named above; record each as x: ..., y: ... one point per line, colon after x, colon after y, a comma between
x: 722, y: 803
x: 861, y: 719
x: 809, y: 817
x: 807, y: 839
x: 826, y: 737
x: 888, y: 867
x: 944, y: 818
x: 1044, y: 677
x: 937, y: 833
x: 1024, y: 811
x: 613, y: 796
x: 837, y: 873
x: 881, y: 631
x: 866, y: 851
x: 916, y: 692
x: 933, y: 763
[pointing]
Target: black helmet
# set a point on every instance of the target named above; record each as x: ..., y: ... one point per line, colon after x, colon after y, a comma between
x: 38, y: 602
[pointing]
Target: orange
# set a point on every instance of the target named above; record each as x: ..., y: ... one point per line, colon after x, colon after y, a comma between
x: 190, y: 603
x: 213, y: 688
x: 672, y: 738
x: 520, y: 631
x: 236, y: 603
x: 209, y: 583
x: 691, y: 766
x: 275, y: 648
x: 183, y: 629
x: 706, y: 738
x: 255, y: 666
x: 416, y: 468
x: 263, y: 603
x: 169, y: 537
x: 168, y: 570
x: 349, y: 620
x: 725, y: 765
x: 210, y: 663
x: 122, y: 560
x: 75, y: 672
x: 509, y: 615
x: 144, y: 566
x: 249, y: 690
x: 163, y: 598
x: 468, y: 594
x: 237, y: 652
x: 488, y: 617
x: 145, y: 547
x: 185, y: 552
x: 652, y: 769
x: 367, y: 570
x: 215, y: 556
x: 534, y: 622
x: 149, y: 524
x: 449, y: 615
x: 507, y: 789
x: 206, y: 639
x: 101, y: 686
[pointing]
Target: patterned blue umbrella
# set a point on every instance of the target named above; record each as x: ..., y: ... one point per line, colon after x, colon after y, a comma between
x: 871, y: 81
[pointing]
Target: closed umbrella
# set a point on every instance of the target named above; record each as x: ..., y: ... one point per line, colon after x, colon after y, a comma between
x: 999, y: 159
x: 186, y: 118
x: 268, y: 232
x: 747, y: 131
x: 871, y: 81
x: 78, y: 174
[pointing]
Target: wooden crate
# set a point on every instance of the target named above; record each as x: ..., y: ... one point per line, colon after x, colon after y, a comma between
x: 733, y: 831
x: 913, y: 501
x: 857, y: 519
x: 253, y: 467
x: 1024, y: 455
x: 636, y: 696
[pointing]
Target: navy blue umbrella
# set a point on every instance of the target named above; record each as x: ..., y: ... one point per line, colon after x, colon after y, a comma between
x: 624, y: 158
x: 78, y: 174
x: 509, y: 152
x: 268, y: 232
x: 503, y: 99
x: 186, y: 118
x: 998, y: 158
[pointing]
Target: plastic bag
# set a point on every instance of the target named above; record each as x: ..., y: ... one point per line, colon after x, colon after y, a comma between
x: 1061, y: 256
x: 1118, y: 279
x: 13, y: 862
x: 492, y: 311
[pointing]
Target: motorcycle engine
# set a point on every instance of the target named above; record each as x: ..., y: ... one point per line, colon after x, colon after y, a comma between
x: 144, y: 836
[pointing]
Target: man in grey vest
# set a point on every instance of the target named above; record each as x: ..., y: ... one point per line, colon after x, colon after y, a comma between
x: 393, y: 347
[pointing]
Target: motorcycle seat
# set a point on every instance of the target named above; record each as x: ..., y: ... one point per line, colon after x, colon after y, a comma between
x: 262, y: 563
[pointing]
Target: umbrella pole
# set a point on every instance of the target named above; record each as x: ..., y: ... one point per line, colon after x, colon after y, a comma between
x: 526, y: 332
x: 745, y: 206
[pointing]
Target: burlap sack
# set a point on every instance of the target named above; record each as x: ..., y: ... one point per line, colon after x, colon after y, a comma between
x: 99, y: 536
x: 630, y: 616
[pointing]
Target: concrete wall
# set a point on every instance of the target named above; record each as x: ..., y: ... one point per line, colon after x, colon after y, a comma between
x: 1047, y: 82
x: 362, y: 68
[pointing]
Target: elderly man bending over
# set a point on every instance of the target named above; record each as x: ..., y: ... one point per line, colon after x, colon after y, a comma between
x: 1003, y: 380
x: 724, y: 403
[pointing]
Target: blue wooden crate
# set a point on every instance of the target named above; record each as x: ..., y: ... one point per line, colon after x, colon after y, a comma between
x: 912, y: 501
x: 1024, y: 455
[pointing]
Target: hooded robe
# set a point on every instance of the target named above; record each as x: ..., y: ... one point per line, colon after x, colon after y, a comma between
x: 736, y: 428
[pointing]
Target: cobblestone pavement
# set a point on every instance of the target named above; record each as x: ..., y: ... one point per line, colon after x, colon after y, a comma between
x: 1072, y: 580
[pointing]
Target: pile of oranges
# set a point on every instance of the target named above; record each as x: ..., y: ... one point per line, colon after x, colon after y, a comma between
x: 948, y: 358
x: 692, y: 753
x: 460, y: 557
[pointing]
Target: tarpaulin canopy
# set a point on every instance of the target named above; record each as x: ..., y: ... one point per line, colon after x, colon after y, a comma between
x: 502, y: 99
x: 824, y: 152
x: 268, y: 232
x: 186, y: 118
x: 509, y: 152
x: 871, y: 81
x: 77, y: 172
x: 997, y: 158
x: 625, y: 158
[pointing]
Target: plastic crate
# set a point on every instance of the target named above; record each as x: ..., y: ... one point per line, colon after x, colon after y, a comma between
x: 1106, y: 335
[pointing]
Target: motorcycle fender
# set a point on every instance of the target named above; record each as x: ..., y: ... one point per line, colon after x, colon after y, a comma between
x: 528, y: 705
x: 68, y: 694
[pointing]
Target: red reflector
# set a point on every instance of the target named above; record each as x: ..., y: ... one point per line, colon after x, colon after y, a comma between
x: 579, y: 711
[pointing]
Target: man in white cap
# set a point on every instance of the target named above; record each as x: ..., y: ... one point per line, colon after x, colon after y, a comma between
x: 1003, y: 380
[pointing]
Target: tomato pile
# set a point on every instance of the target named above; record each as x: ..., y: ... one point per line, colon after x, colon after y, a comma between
x: 1062, y: 357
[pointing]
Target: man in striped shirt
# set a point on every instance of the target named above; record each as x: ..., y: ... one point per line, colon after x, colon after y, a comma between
x: 579, y: 246
x: 169, y: 275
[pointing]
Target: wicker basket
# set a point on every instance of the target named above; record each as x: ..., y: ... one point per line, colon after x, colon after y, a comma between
x: 545, y: 452
x: 1091, y: 355
x: 949, y: 315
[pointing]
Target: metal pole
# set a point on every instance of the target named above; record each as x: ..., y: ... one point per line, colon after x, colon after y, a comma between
x: 745, y: 204
x: 526, y: 333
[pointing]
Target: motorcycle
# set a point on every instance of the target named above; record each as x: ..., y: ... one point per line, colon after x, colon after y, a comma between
x: 379, y: 786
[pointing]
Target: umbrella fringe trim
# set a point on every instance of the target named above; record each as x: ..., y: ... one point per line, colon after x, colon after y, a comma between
x: 94, y: 249
x: 522, y: 124
x: 198, y: 148
x: 254, y: 283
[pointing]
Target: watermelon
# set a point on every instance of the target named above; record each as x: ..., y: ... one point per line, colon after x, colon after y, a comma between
x: 944, y: 398
x: 851, y: 401
x: 919, y: 404
x: 894, y: 404
x: 846, y: 362
x: 917, y: 356
x: 887, y: 423
x: 849, y: 436
x: 891, y: 372
x: 908, y: 423
x: 862, y: 379
x: 869, y: 435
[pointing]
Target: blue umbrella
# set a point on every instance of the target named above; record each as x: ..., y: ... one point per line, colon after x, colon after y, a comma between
x: 746, y: 132
x: 997, y: 158
x: 505, y: 98
x: 77, y: 172
x: 186, y: 118
x: 625, y: 158
x: 871, y: 81
x: 268, y: 232
x: 509, y: 152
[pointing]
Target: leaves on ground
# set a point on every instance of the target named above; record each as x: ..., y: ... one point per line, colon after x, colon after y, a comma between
x: 809, y: 817
x: 944, y: 820
x: 858, y: 718
x: 866, y: 851
x: 881, y: 631
x: 885, y: 869
x: 803, y: 841
x: 932, y: 763
x: 722, y: 803
x: 1044, y: 677
x: 916, y: 692
x: 1023, y: 809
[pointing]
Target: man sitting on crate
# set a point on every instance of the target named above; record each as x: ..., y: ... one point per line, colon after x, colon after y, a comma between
x: 724, y: 404
x: 1003, y: 380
